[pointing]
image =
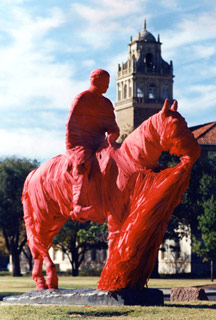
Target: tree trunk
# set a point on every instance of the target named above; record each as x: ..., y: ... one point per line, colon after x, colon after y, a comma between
x: 30, y: 263
x: 212, y: 270
x: 74, y: 264
x: 16, y: 265
x: 27, y: 253
x: 75, y: 272
x: 75, y: 268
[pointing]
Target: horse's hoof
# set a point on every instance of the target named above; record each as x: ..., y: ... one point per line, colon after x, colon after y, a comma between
x: 52, y: 286
x: 41, y: 286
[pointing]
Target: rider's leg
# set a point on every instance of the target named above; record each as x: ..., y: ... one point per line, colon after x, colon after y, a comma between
x: 77, y: 189
x: 79, y: 173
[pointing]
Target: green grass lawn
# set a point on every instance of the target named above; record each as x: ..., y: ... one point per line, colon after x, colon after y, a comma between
x: 22, y: 284
x: 171, y: 311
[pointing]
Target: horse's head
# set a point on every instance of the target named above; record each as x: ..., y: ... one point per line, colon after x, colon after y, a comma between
x: 175, y: 136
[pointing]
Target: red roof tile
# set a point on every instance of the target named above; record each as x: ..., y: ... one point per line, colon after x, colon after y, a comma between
x: 206, y: 134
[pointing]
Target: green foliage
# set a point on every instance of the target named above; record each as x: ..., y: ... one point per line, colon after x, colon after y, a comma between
x: 205, y: 246
x: 3, y: 249
x: 13, y: 172
x: 168, y: 160
x: 76, y: 238
x: 202, y: 186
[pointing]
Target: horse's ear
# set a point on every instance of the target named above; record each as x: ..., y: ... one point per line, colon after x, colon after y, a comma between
x: 165, y: 106
x: 174, y: 106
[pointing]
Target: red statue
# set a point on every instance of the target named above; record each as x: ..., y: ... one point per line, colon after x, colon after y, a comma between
x: 90, y: 118
x: 97, y: 179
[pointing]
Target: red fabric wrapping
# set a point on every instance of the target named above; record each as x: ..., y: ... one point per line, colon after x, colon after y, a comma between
x: 134, y: 250
x: 123, y: 186
x: 91, y: 115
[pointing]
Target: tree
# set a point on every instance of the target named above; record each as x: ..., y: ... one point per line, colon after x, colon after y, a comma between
x: 13, y: 172
x: 76, y: 238
x: 3, y: 249
x: 202, y: 186
x: 205, y: 246
x: 28, y: 257
x: 184, y: 221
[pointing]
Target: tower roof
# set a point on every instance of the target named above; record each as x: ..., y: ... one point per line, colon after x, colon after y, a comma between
x: 144, y: 35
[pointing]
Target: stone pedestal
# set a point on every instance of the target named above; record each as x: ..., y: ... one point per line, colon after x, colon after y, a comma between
x: 146, y: 297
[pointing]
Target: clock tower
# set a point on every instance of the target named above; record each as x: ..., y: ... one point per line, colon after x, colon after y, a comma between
x: 143, y: 82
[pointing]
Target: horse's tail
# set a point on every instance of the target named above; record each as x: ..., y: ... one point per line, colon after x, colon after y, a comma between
x: 33, y: 240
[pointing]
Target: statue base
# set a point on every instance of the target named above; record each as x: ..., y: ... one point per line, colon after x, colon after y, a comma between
x: 93, y: 297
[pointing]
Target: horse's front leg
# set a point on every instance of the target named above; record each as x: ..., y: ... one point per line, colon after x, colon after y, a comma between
x: 37, y: 274
x: 52, y: 277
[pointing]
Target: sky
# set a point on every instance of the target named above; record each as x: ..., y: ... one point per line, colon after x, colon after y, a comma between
x: 49, y: 47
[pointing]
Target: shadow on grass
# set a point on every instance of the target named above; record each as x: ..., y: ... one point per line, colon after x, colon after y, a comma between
x: 7, y: 294
x: 192, y: 306
x: 100, y: 313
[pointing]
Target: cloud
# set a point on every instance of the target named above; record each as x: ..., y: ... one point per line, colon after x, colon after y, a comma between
x: 28, y: 64
x: 106, y: 11
x: 190, y: 30
x: 35, y: 144
x: 89, y: 63
x: 104, y: 19
x: 47, y: 53
x: 35, y: 85
x: 14, y: 1
x: 197, y: 103
x: 169, y: 4
x: 205, y: 94
x: 190, y: 43
x: 201, y: 52
x: 112, y: 63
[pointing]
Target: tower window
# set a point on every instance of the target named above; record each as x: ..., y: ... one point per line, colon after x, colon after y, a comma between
x: 130, y: 89
x: 125, y: 91
x: 119, y: 92
x: 149, y: 60
x: 165, y: 93
x: 152, y: 91
x: 140, y: 93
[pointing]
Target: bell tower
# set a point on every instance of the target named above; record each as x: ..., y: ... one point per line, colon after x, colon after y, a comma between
x: 143, y: 81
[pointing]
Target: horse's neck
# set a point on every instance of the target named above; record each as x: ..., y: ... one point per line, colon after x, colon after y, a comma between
x: 142, y: 146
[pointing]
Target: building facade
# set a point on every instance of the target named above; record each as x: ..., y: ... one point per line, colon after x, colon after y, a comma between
x: 143, y: 82
x: 205, y: 134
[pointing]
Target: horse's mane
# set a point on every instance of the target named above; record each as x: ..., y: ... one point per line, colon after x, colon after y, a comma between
x: 142, y: 147
x: 147, y: 142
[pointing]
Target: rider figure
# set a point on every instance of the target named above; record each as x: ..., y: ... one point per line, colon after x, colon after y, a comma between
x: 91, y: 117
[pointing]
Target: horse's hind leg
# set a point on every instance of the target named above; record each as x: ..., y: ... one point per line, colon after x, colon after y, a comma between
x: 37, y: 274
x: 52, y: 277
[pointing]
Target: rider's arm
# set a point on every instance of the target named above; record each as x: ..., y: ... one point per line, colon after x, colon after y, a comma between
x: 112, y: 127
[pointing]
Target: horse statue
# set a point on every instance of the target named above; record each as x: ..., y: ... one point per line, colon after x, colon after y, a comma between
x: 126, y: 187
